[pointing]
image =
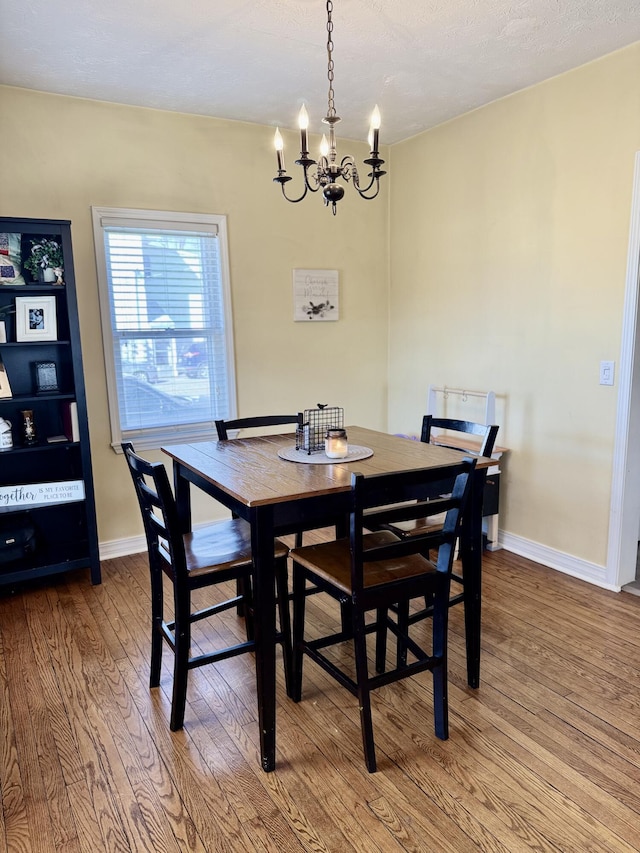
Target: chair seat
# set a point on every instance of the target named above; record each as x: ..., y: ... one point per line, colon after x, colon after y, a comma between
x: 221, y: 546
x: 420, y: 525
x: 332, y: 562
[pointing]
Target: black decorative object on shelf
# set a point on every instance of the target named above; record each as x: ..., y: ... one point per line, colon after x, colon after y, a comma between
x: 46, y: 377
x: 29, y: 436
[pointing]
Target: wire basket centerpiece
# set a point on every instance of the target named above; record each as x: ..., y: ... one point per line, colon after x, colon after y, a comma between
x: 315, y: 423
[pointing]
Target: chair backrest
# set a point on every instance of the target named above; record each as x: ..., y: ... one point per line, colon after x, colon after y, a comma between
x: 223, y: 426
x: 400, y: 497
x: 486, y: 432
x: 159, y: 514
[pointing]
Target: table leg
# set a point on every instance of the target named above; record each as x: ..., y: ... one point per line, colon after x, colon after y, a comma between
x: 471, y: 555
x: 262, y: 536
x: 182, y: 492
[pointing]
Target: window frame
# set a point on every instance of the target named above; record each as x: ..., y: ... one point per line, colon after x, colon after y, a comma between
x: 146, y: 438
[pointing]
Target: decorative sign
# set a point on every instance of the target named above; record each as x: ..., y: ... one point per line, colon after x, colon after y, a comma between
x: 41, y: 494
x: 315, y: 295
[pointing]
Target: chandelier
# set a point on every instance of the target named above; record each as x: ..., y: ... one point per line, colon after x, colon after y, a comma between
x: 327, y: 169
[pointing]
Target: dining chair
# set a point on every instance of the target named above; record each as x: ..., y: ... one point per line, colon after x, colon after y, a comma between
x: 209, y: 555
x: 433, y: 521
x: 224, y: 427
x: 373, y: 571
x: 454, y: 429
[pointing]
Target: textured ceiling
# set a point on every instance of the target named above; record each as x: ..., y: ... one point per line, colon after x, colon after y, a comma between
x: 422, y: 61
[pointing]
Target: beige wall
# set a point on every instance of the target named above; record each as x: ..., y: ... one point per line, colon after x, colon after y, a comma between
x: 64, y: 155
x: 509, y: 230
x: 503, y: 250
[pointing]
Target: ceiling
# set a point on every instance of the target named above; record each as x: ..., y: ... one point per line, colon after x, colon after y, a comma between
x: 422, y: 61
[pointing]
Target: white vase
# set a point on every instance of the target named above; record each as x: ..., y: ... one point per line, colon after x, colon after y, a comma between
x: 48, y: 275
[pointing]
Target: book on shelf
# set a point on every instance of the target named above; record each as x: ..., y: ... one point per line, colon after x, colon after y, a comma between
x: 70, y: 420
x: 56, y: 439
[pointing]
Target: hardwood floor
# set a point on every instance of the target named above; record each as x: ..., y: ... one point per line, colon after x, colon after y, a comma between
x: 544, y: 756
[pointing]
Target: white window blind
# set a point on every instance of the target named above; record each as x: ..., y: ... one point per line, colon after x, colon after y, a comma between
x: 166, y: 320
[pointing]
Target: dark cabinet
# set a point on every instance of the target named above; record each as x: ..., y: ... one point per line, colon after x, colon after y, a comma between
x: 46, y: 480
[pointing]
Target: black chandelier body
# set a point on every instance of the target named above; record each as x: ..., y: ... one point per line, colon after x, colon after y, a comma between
x: 324, y: 173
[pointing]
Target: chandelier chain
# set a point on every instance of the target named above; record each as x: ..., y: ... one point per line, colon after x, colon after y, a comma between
x: 332, y: 109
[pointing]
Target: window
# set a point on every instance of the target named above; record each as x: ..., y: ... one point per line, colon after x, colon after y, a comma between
x: 166, y: 323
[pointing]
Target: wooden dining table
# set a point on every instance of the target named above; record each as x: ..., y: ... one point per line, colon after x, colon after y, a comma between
x: 278, y: 497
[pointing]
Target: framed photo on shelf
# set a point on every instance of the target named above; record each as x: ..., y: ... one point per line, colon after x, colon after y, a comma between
x: 46, y: 377
x: 36, y: 318
x: 5, y: 388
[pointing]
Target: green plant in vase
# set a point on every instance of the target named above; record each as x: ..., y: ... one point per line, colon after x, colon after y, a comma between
x: 45, y: 261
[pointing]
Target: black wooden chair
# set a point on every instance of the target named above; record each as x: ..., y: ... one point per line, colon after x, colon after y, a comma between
x: 209, y: 555
x: 374, y: 570
x: 432, y: 523
x: 224, y: 427
x: 487, y: 434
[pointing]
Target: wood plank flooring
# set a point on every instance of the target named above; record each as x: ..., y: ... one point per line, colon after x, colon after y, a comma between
x: 545, y: 756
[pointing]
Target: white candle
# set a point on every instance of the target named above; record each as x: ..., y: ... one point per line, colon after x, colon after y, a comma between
x: 374, y: 130
x: 335, y: 444
x: 303, y: 124
x: 279, y: 145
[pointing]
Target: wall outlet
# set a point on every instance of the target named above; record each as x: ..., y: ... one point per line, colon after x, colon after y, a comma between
x: 607, y: 369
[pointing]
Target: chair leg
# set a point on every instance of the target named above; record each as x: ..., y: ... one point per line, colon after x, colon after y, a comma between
x: 240, y: 608
x: 439, y: 650
x: 299, y: 602
x: 156, y: 630
x: 182, y: 636
x: 282, y: 592
x: 244, y: 588
x: 364, y: 693
x: 402, y: 610
x: 381, y: 639
x: 345, y: 617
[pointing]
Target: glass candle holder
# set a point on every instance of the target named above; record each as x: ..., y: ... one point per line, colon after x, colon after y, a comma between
x: 335, y: 444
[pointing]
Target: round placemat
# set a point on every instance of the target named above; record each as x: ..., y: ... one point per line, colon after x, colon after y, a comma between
x: 354, y: 453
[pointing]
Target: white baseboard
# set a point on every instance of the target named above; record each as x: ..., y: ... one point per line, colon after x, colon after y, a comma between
x: 566, y: 563
x: 569, y: 565
x: 122, y: 547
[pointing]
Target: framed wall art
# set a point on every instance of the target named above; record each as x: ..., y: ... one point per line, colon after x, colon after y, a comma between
x: 36, y: 318
x: 315, y: 295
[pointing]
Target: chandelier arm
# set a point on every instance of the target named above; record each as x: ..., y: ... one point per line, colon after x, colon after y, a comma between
x: 305, y: 169
x: 362, y: 193
x: 293, y: 200
x: 375, y: 178
x: 282, y: 178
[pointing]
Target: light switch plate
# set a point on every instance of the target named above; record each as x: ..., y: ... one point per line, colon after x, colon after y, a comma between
x: 607, y: 369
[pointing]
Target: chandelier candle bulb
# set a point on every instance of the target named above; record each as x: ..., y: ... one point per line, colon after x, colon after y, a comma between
x: 279, y: 145
x: 374, y: 131
x: 303, y: 124
x: 335, y: 444
x: 324, y: 146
